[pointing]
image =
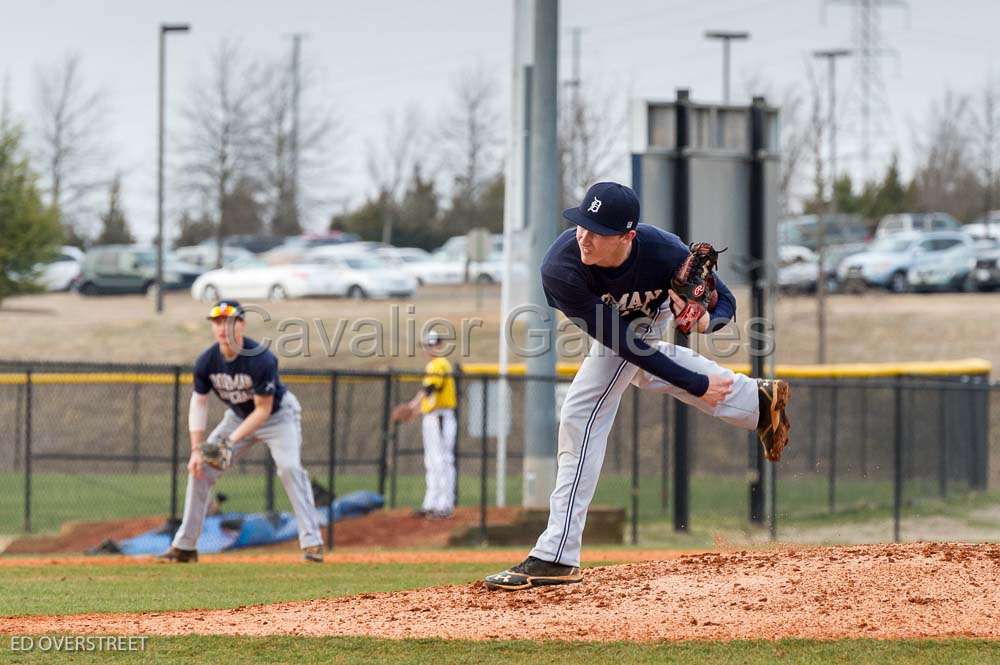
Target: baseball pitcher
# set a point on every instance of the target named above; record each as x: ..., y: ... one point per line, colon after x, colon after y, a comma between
x: 245, y: 377
x: 623, y: 282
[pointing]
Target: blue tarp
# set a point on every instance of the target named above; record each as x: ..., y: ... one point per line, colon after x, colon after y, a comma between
x: 228, y: 531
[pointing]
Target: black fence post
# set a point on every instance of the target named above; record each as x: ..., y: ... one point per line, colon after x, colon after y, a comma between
x: 832, y: 471
x: 458, y: 430
x: 394, y: 443
x: 942, y: 444
x: 665, y: 456
x: 483, y: 534
x: 864, y: 431
x: 136, y: 427
x: 635, y: 467
x: 682, y: 227
x: 331, y: 461
x: 27, y: 449
x: 897, y: 458
x: 984, y: 466
x: 814, y: 430
x: 18, y: 406
x: 175, y: 453
x: 384, y: 454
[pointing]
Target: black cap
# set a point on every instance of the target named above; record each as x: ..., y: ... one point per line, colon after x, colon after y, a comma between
x: 225, y: 308
x: 608, y: 209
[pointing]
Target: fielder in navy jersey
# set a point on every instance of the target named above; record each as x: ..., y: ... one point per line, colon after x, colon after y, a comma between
x: 611, y: 276
x: 245, y: 377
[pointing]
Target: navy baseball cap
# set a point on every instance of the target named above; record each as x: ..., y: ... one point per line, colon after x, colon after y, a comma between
x: 608, y: 209
x: 225, y: 308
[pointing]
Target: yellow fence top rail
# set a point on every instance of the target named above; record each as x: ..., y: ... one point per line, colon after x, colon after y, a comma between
x: 967, y: 366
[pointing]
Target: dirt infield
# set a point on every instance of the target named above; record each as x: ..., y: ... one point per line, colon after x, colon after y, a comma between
x: 878, y: 591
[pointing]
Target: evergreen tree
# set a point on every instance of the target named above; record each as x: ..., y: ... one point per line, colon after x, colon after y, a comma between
x: 114, y: 229
x: 29, y: 232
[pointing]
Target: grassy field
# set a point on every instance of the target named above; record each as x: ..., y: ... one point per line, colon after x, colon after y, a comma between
x: 718, y: 504
x: 151, y: 587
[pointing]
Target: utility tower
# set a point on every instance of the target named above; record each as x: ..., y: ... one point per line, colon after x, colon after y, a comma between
x: 868, y: 46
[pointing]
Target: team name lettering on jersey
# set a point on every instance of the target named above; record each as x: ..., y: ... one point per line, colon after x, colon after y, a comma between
x: 631, y: 302
x: 235, y: 388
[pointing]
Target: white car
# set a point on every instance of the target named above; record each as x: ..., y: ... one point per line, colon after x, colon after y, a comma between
x: 420, y: 265
x: 205, y: 255
x: 60, y: 273
x: 360, y: 276
x: 253, y: 278
x: 798, y: 268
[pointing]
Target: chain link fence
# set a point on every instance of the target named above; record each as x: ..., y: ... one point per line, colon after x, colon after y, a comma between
x: 85, y: 442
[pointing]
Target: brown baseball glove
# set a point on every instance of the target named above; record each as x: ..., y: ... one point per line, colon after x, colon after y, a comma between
x: 404, y: 413
x: 217, y: 453
x: 694, y: 282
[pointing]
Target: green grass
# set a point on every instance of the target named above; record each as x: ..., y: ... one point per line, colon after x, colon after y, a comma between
x: 349, y: 650
x: 70, y: 589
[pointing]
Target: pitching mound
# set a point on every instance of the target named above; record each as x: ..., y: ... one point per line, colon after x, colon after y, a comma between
x: 881, y: 591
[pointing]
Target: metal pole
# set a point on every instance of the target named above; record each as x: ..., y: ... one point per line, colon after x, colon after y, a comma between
x: 831, y: 58
x: 544, y: 204
x: 942, y: 445
x: 161, y: 241
x: 682, y: 227
x: 758, y: 284
x: 664, y: 456
x: 458, y: 431
x: 897, y: 459
x: 386, y: 413
x: 832, y: 486
x: 175, y: 453
x: 331, y: 467
x: 726, y: 37
x: 296, y: 87
x: 483, y: 456
x: 136, y: 418
x: 635, y: 467
x: 394, y: 442
x: 28, y: 390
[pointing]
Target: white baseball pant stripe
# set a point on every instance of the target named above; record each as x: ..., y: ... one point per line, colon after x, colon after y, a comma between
x: 439, y: 429
x: 586, y: 419
x: 282, y: 433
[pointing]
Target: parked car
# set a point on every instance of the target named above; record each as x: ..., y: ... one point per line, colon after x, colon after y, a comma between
x: 484, y: 272
x: 361, y: 276
x: 987, y: 270
x: 983, y: 228
x: 253, y: 278
x: 915, y: 222
x: 59, y: 274
x: 839, y: 229
x: 255, y: 244
x: 950, y: 270
x: 420, y: 265
x: 887, y: 261
x: 205, y: 255
x: 797, y: 269
x: 111, y: 269
x: 834, y: 256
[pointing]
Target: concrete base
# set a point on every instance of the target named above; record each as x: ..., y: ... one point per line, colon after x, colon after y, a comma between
x: 605, y: 526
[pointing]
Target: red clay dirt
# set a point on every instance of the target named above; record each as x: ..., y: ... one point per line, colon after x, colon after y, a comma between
x: 877, y: 591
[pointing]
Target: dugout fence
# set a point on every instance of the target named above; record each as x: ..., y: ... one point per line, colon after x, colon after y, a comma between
x: 874, y: 451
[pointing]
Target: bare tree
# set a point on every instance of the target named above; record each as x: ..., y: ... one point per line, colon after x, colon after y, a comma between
x: 986, y: 129
x: 218, y: 144
x: 470, y: 136
x: 592, y: 126
x: 291, y: 178
x: 943, y: 151
x: 391, y: 159
x: 70, y: 137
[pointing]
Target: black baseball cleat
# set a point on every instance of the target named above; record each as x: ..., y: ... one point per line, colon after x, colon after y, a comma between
x: 533, y: 572
x: 772, y: 424
x: 177, y: 555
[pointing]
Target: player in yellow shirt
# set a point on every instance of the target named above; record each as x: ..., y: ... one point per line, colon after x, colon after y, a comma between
x: 436, y: 401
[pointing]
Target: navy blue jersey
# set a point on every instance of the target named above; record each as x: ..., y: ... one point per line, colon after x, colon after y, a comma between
x: 236, y: 381
x: 604, y: 301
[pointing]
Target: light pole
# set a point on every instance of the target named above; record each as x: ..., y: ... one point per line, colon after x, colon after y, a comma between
x: 831, y: 56
x: 164, y: 29
x: 726, y: 37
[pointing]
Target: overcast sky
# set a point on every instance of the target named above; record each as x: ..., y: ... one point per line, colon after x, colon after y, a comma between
x: 380, y: 54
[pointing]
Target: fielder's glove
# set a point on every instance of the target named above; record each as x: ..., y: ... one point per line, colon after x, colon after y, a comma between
x: 694, y: 282
x: 217, y: 454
